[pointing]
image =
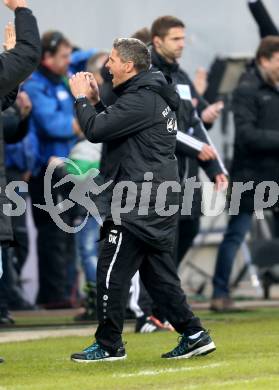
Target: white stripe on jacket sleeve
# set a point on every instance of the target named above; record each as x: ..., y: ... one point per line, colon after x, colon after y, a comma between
x: 189, y: 141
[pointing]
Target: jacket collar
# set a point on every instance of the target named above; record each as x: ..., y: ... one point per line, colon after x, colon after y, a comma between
x: 121, y: 88
x: 54, y: 78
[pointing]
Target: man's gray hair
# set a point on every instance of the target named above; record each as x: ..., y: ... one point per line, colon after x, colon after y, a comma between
x: 132, y: 49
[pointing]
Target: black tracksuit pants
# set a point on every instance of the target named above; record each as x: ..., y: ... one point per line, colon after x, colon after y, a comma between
x: 187, y: 230
x: 122, y: 254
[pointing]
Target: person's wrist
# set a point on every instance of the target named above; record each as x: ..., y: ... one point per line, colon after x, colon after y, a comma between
x: 20, y: 9
x: 80, y: 96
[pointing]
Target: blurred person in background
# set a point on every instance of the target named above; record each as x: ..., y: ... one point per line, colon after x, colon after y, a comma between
x: 144, y: 35
x: 87, y: 156
x: 266, y: 27
x: 83, y: 162
x: 79, y: 59
x: 256, y: 151
x: 15, y: 65
x: 54, y: 130
x: 95, y: 64
x: 168, y: 43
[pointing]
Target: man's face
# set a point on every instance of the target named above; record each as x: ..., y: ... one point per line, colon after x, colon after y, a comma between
x: 172, y: 45
x: 271, y: 66
x: 60, y: 61
x: 117, y: 68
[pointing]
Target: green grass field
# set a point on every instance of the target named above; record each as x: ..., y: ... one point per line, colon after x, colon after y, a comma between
x: 247, y: 357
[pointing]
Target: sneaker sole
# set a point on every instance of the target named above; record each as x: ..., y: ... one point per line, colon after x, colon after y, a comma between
x: 206, y: 349
x: 110, y: 359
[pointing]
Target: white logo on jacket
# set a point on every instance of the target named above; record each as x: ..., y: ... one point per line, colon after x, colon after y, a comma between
x: 62, y: 95
x: 171, y: 125
x: 166, y: 112
x: 112, y: 239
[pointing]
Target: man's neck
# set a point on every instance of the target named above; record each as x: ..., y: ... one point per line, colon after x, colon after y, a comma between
x: 51, y: 69
x: 127, y: 78
x: 268, y: 77
x: 166, y: 58
x: 49, y: 74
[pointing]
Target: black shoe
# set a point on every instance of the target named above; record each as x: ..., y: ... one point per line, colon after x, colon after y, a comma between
x: 1, y: 360
x: 187, y: 347
x: 95, y: 353
x: 224, y: 305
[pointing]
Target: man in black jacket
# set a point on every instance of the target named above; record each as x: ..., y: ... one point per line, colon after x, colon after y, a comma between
x: 141, y: 212
x: 168, y: 40
x: 15, y: 66
x: 256, y: 115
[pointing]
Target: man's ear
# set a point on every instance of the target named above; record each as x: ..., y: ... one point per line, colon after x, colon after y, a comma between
x: 47, y: 57
x: 157, y: 42
x: 264, y: 62
x: 130, y: 67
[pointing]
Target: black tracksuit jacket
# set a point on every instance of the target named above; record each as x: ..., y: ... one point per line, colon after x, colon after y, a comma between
x: 189, y: 123
x: 256, y: 116
x: 140, y: 135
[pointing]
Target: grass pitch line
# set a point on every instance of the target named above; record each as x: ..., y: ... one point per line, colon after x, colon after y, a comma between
x: 166, y: 371
x: 244, y: 381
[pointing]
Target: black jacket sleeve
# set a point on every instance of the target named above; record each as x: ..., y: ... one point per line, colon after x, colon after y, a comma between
x: 245, y: 111
x: 215, y: 167
x: 15, y: 129
x: 188, y: 145
x: 212, y: 168
x: 193, y: 146
x: 263, y: 19
x: 17, y: 64
x: 9, y: 99
x: 192, y: 130
x: 123, y: 118
x: 190, y: 140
